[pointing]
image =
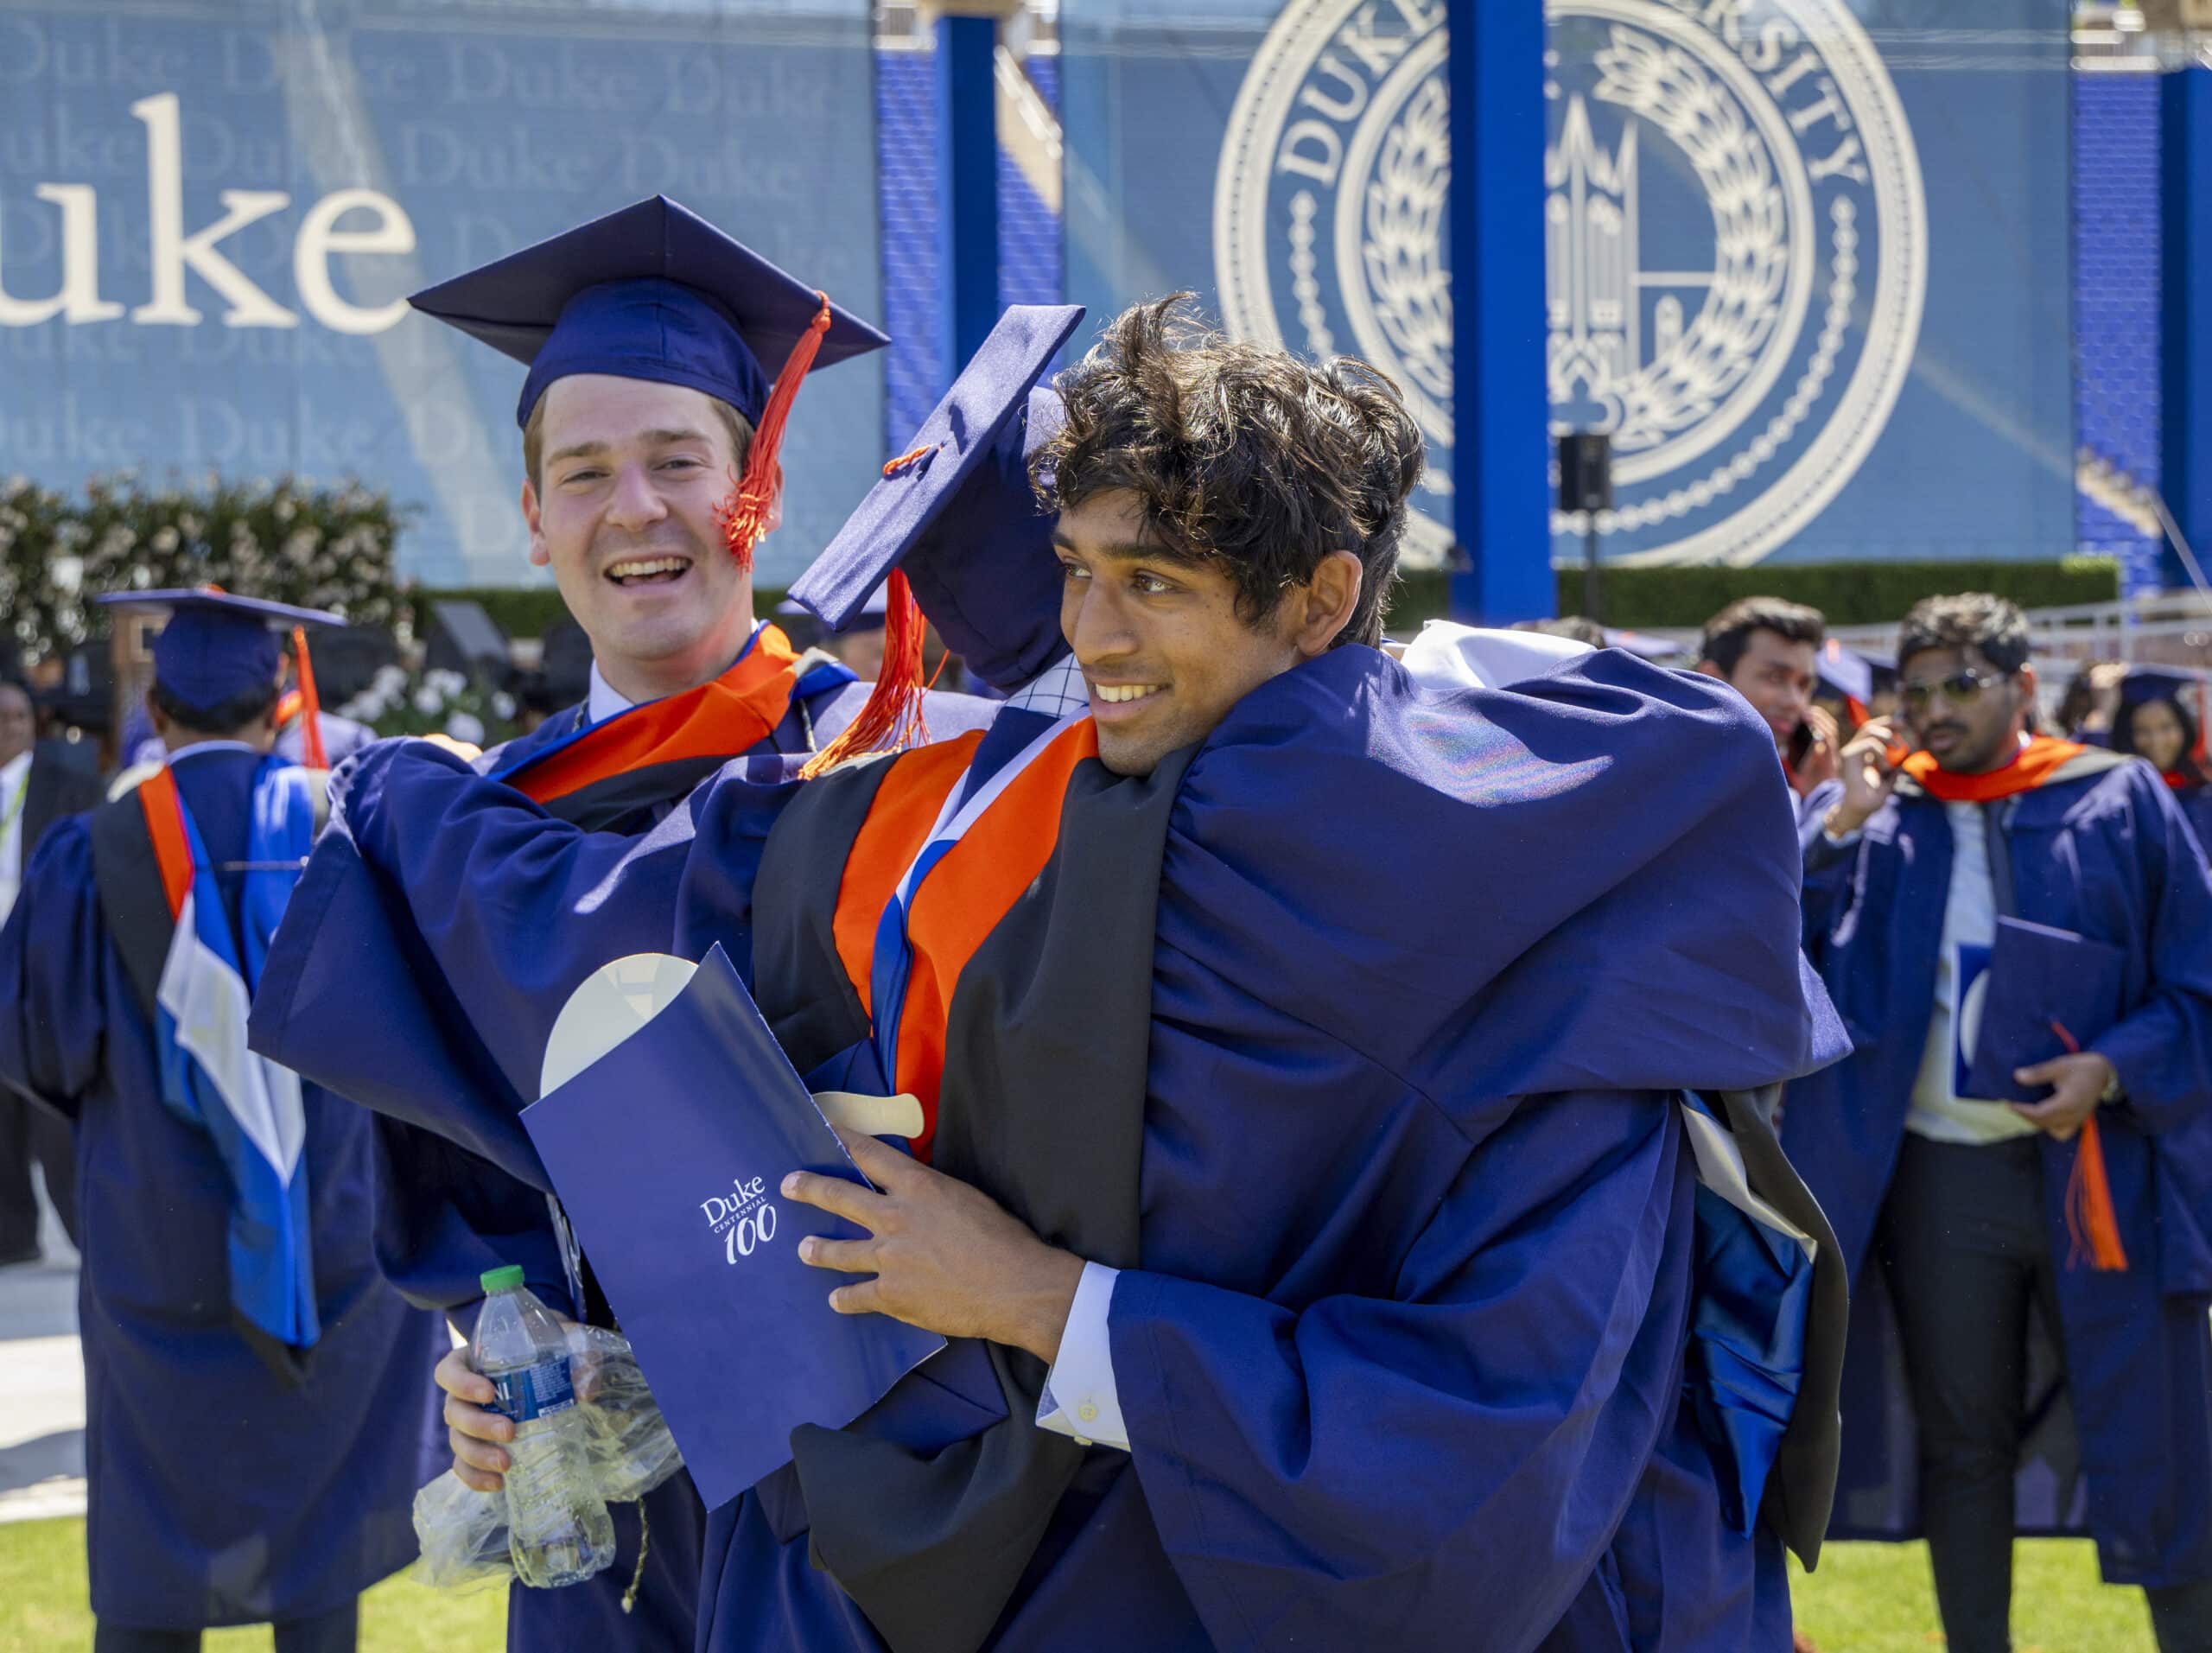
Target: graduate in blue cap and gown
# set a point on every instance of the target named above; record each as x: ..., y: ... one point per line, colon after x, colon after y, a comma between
x: 256, y: 1425
x: 2027, y: 1218
x: 2161, y: 720
x: 305, y: 735
x: 1342, y: 1053
x: 650, y: 429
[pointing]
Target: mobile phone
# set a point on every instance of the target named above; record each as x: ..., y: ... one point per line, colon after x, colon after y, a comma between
x: 1801, y: 743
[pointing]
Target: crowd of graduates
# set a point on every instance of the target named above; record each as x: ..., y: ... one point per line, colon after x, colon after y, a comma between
x: 1469, y: 1139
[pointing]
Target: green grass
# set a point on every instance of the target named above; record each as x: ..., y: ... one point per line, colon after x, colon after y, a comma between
x: 1865, y: 1599
x: 1878, y: 1599
x: 42, y: 1608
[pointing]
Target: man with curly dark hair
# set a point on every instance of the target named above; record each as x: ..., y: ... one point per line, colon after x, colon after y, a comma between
x: 1315, y: 1065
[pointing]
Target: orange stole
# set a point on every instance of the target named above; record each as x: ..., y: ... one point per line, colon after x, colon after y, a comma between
x: 157, y: 796
x: 2041, y: 759
x: 732, y: 714
x: 2090, y: 1218
x: 961, y: 902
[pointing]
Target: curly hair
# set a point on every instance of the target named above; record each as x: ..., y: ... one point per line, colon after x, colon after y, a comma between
x: 1967, y: 620
x: 1242, y: 456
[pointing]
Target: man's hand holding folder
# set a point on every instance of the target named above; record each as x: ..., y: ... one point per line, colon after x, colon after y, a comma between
x: 2051, y: 994
x: 669, y: 1151
x: 945, y: 1255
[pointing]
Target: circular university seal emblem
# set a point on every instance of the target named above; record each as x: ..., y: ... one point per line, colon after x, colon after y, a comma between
x: 1734, y: 238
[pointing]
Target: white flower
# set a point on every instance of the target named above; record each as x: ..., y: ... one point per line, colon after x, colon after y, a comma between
x: 429, y: 701
x: 466, y: 725
x: 389, y: 680
x: 447, y: 683
x: 503, y: 704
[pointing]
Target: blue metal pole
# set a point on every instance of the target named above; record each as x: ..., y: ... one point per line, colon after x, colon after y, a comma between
x: 968, y: 166
x: 1501, y: 506
x: 2186, y: 312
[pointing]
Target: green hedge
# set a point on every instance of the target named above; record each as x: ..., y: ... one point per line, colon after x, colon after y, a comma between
x: 288, y: 541
x: 1849, y: 593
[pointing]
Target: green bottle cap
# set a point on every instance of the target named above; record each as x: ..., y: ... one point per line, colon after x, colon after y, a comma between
x: 501, y: 1280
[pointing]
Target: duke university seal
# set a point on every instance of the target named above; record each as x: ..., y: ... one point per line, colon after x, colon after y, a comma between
x: 1734, y: 238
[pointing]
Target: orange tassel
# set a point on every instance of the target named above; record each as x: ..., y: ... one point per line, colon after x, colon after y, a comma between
x: 2091, y: 1222
x: 906, y: 458
x: 746, y: 516
x: 311, y: 752
x: 2090, y: 1218
x: 892, y: 720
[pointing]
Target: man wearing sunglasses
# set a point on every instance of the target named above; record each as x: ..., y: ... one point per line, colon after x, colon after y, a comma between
x: 2017, y: 1157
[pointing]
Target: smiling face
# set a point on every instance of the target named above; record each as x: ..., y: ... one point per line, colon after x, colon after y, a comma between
x: 1161, y: 642
x: 623, y: 511
x: 2158, y: 734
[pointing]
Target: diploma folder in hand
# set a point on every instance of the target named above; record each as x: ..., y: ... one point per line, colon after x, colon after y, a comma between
x: 668, y: 1147
x: 2039, y: 979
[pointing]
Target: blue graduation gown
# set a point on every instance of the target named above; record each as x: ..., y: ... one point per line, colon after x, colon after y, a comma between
x: 217, y: 1496
x: 452, y: 1203
x: 2197, y: 809
x: 2110, y: 857
x: 1383, y: 1086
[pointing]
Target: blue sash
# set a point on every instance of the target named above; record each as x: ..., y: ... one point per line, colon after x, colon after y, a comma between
x: 250, y: 1107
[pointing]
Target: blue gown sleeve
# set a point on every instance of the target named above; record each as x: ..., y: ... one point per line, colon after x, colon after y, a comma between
x: 444, y: 920
x: 1827, y: 865
x: 444, y: 1216
x: 52, y: 1008
x: 2163, y: 1050
x: 1452, y: 1461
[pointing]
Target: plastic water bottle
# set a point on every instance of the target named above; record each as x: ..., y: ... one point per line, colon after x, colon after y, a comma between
x: 558, y: 1528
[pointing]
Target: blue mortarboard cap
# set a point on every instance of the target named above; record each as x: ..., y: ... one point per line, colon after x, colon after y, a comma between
x: 215, y: 645
x: 871, y: 617
x: 2154, y: 683
x: 652, y: 292
x: 1850, y: 673
x: 959, y: 516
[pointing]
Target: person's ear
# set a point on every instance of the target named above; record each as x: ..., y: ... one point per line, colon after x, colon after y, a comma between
x: 540, y: 554
x: 1327, y: 603
x: 1711, y: 669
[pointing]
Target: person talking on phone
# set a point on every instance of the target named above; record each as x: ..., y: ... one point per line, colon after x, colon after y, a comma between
x: 2043, y: 1265
x: 1768, y: 650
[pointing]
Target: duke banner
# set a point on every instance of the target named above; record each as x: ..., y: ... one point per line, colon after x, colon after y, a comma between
x: 211, y: 213
x: 1805, y: 260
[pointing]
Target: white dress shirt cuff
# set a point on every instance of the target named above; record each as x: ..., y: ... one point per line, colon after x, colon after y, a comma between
x: 1080, y: 1399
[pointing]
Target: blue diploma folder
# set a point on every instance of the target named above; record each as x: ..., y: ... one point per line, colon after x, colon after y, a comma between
x: 2038, y: 977
x: 668, y: 1153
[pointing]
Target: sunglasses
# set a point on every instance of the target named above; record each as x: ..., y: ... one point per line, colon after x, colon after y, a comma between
x: 1960, y: 688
